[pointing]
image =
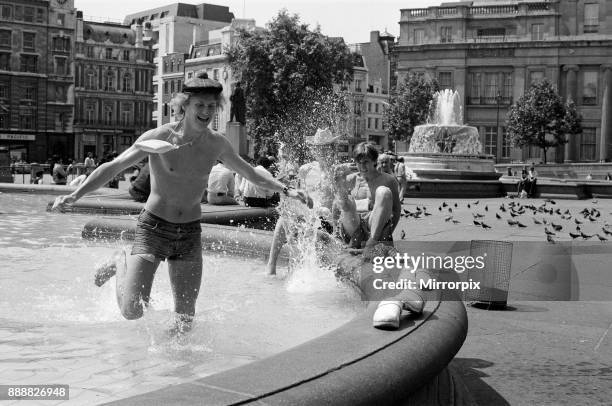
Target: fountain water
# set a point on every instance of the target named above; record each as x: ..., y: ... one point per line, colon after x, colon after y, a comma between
x: 445, y: 148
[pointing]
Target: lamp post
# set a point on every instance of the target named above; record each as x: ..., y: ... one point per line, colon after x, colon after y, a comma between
x: 498, y: 100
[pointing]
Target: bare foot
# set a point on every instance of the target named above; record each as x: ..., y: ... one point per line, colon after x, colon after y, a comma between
x: 182, y: 325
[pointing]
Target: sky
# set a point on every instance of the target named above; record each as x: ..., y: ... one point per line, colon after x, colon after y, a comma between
x: 351, y: 19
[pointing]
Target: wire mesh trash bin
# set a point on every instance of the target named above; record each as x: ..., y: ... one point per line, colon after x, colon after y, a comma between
x: 494, y: 277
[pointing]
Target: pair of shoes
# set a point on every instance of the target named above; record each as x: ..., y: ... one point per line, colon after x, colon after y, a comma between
x: 387, y: 315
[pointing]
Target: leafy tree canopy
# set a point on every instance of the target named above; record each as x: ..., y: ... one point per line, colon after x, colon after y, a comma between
x: 282, y: 68
x: 541, y: 118
x: 409, y: 106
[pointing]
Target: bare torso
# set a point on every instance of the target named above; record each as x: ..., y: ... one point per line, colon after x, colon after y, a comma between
x: 179, y: 177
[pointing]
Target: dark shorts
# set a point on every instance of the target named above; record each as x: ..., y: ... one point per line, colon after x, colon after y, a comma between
x: 166, y: 240
x: 362, y: 234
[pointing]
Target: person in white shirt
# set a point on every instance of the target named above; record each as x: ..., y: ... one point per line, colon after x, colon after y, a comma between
x: 253, y: 195
x: 90, y: 164
x: 221, y: 186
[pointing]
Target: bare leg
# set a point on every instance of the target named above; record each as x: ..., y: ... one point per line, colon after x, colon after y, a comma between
x: 278, y: 240
x: 185, y: 278
x: 380, y: 215
x: 402, y: 190
x: 134, y: 283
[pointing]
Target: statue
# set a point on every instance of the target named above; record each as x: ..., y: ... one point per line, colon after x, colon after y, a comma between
x: 237, y: 109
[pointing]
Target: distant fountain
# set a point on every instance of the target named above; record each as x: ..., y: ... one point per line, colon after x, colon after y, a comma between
x: 445, y: 149
x: 446, y: 132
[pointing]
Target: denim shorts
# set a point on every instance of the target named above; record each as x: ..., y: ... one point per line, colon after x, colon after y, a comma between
x: 166, y: 240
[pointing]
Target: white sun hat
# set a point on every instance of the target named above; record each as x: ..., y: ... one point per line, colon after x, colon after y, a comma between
x: 323, y: 137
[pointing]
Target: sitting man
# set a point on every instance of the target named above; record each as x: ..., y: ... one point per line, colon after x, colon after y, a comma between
x: 364, y: 231
x: 221, y: 186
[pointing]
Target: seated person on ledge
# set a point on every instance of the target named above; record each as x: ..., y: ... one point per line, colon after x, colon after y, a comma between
x: 253, y: 195
x: 221, y: 186
x: 377, y: 225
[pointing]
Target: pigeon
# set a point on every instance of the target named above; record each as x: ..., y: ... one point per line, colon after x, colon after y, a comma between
x: 502, y: 207
x: 574, y: 235
x: 444, y: 204
x: 439, y: 208
x: 468, y: 206
x: 512, y: 222
x: 476, y: 202
x: 547, y: 231
x: 497, y: 216
x: 477, y: 223
x: 557, y: 227
x: 403, y: 235
x: 456, y: 205
x: 450, y: 210
x: 602, y: 238
x: 518, y: 223
x: 448, y: 218
x: 550, y: 239
x: 477, y: 215
x: 591, y: 218
x: 456, y: 221
x: 536, y: 221
x: 513, y: 214
x: 585, y: 236
x: 485, y: 225
x: 606, y: 231
x: 486, y: 208
x: 550, y: 201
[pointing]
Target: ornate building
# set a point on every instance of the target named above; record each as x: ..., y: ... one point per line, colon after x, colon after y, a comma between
x: 492, y: 51
x: 171, y: 30
x: 113, y: 87
x: 36, y: 78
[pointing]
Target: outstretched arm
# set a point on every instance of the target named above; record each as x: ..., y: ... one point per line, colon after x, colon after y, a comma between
x: 105, y: 172
x: 230, y: 158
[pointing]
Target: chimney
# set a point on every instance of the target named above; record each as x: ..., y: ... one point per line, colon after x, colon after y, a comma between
x: 138, y: 29
x: 79, y: 26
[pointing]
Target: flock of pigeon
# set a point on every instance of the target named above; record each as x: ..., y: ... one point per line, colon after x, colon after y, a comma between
x: 552, y: 218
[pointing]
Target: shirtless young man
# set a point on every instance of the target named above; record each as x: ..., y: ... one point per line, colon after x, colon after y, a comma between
x: 169, y: 226
x: 368, y: 229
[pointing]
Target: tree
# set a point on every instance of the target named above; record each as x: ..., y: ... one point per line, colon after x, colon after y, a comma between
x: 282, y: 68
x: 409, y: 106
x: 541, y: 118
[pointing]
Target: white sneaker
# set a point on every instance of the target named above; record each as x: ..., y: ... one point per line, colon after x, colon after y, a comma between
x: 387, y: 315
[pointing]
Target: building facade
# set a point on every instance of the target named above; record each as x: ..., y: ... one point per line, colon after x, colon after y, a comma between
x: 36, y: 78
x: 172, y: 29
x: 113, y: 87
x: 491, y: 52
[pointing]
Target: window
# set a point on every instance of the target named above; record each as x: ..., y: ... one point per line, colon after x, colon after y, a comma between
x: 446, y: 34
x: 40, y: 15
x: 418, y: 36
x: 490, y: 146
x: 537, y: 32
x: 369, y: 122
x: 369, y: 107
x: 165, y: 109
x: 5, y: 61
x: 89, y: 52
x: 90, y: 113
x: 5, y: 39
x: 376, y: 123
x: 491, y: 32
x: 26, y: 119
x: 110, y: 81
x: 61, y: 19
x: 376, y: 107
x: 475, y: 88
x: 491, y: 88
x: 4, y: 90
x: 189, y: 75
x: 60, y: 65
x: 165, y: 87
x: 29, y: 63
x: 126, y: 114
x: 358, y: 108
x: 172, y: 65
x: 127, y: 82
x: 29, y: 93
x: 179, y: 85
x: 28, y: 14
x: 109, y: 53
x: 61, y: 44
x: 445, y: 80
x: 591, y: 17
x: 506, y: 144
x: 358, y: 85
x: 108, y: 115
x: 126, y: 55
x: 536, y: 76
x: 589, y: 88
x: 29, y: 39
x: 4, y: 119
x: 6, y: 12
x: 216, y: 74
x: 588, y: 144
x: 90, y: 80
x: 172, y: 87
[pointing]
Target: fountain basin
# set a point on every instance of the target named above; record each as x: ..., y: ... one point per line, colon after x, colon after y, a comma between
x: 451, y: 166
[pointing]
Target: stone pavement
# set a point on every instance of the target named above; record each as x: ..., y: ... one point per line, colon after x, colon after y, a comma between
x: 539, y: 352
